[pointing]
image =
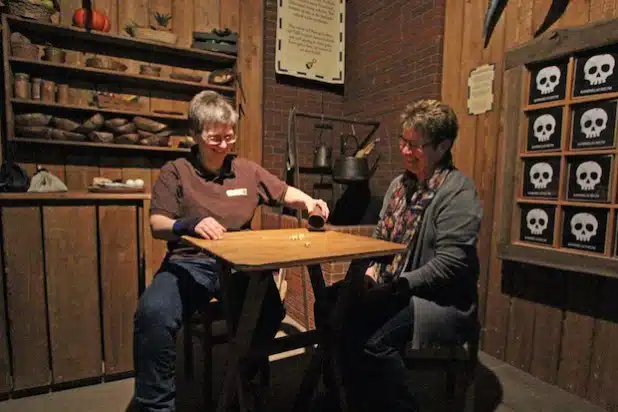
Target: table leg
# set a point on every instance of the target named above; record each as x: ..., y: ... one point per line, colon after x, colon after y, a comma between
x: 240, y: 340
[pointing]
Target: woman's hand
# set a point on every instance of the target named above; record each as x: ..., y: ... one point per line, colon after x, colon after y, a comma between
x: 209, y: 228
x: 310, y: 204
x: 372, y: 272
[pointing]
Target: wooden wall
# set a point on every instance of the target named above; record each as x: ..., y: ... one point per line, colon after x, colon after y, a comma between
x: 559, y: 326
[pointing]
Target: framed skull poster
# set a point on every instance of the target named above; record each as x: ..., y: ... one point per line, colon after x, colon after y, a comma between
x: 548, y: 82
x: 595, y: 73
x: 537, y: 223
x: 541, y: 177
x: 544, y: 130
x: 594, y: 125
x: 589, y: 178
x: 584, y: 229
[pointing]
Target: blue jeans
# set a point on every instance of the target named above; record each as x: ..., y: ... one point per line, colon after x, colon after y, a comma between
x: 178, y: 289
x: 370, y: 352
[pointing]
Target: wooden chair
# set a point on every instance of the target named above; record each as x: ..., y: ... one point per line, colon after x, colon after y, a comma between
x: 458, y: 361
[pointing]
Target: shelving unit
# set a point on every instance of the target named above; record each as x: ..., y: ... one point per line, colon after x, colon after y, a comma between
x: 162, y: 99
x: 561, y: 157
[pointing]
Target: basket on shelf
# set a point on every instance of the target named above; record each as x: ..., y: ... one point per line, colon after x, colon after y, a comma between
x: 27, y: 51
x: 34, y: 11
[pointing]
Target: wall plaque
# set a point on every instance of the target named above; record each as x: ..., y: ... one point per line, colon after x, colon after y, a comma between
x: 537, y: 224
x: 544, y: 129
x: 594, y: 125
x: 541, y: 176
x: 584, y: 229
x: 311, y: 39
x: 481, y: 89
x: 548, y: 82
x: 596, y: 73
x: 589, y: 178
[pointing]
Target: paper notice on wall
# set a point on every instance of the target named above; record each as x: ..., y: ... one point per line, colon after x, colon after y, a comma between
x: 311, y: 39
x: 481, y: 89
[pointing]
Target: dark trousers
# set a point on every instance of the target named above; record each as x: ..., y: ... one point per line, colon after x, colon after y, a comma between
x: 177, y: 290
x: 369, y: 348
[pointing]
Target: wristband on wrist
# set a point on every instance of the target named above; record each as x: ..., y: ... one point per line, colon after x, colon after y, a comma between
x: 185, y: 226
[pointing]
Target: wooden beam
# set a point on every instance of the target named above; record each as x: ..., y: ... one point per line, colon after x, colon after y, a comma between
x: 562, y: 42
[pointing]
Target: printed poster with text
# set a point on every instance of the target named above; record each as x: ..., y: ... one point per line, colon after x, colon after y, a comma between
x: 311, y: 39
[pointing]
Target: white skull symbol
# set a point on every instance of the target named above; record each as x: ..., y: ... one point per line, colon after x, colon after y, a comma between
x: 544, y: 127
x: 593, y: 122
x: 598, y: 68
x: 547, y: 79
x: 537, y: 221
x: 541, y: 174
x: 584, y: 226
x: 588, y: 175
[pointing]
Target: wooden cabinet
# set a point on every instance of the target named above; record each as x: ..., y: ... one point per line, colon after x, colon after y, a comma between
x: 73, y: 266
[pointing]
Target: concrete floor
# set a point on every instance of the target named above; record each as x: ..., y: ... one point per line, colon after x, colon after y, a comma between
x: 500, y: 387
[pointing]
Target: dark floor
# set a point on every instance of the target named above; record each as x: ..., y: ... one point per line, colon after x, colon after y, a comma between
x: 500, y: 387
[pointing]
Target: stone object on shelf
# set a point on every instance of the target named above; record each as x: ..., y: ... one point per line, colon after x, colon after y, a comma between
x: 32, y: 119
x: 148, y: 125
x: 65, y: 124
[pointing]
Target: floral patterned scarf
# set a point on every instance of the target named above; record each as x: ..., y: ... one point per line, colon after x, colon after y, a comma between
x: 403, y: 216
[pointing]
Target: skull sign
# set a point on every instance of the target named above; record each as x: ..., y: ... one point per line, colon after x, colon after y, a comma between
x: 544, y: 127
x: 536, y: 220
x: 541, y: 174
x: 598, y: 68
x: 588, y: 175
x: 584, y: 226
x: 593, y: 122
x: 547, y: 79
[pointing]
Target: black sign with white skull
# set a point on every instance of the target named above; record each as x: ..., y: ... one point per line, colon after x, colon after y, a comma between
x: 594, y: 125
x: 541, y: 176
x: 589, y: 178
x: 544, y: 129
x: 595, y: 73
x: 537, y: 224
x: 584, y: 229
x: 548, y: 82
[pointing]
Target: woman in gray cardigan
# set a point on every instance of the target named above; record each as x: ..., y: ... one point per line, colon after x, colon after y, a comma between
x: 427, y: 295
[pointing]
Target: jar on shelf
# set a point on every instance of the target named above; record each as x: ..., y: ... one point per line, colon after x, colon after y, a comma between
x: 36, y: 88
x: 48, y: 91
x: 63, y: 94
x: 22, y: 86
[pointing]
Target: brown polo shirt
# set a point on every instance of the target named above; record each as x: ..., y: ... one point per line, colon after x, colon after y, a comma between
x: 186, y: 189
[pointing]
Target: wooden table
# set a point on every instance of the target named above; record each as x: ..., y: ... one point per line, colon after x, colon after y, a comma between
x: 262, y: 250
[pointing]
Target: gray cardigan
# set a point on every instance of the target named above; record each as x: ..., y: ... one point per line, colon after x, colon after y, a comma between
x: 442, y: 268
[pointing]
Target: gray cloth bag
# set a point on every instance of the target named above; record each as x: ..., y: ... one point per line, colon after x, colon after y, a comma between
x: 44, y: 181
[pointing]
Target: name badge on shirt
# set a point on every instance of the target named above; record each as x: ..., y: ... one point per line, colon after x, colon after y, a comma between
x: 236, y: 192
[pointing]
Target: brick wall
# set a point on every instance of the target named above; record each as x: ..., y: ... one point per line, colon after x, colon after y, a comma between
x: 393, y: 57
x: 281, y: 93
x: 333, y: 272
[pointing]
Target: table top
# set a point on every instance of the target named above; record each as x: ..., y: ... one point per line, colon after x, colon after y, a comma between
x: 279, y: 248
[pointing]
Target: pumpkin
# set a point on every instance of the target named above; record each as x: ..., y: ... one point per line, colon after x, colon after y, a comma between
x: 100, y: 21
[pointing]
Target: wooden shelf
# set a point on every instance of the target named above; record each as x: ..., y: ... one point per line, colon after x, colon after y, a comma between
x: 77, y: 195
x: 122, y: 41
x: 569, y: 153
x: 104, y: 76
x: 105, y: 145
x: 39, y: 103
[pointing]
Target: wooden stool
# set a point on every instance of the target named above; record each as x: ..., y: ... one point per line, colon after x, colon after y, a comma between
x: 209, y: 325
x: 459, y: 362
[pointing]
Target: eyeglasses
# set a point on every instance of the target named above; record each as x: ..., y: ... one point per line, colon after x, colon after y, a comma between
x: 403, y: 143
x: 216, y: 140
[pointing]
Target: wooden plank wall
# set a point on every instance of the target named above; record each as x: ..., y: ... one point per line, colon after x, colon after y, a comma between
x: 559, y: 326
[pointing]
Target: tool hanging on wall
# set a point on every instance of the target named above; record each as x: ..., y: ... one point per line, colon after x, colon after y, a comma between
x: 322, y: 155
